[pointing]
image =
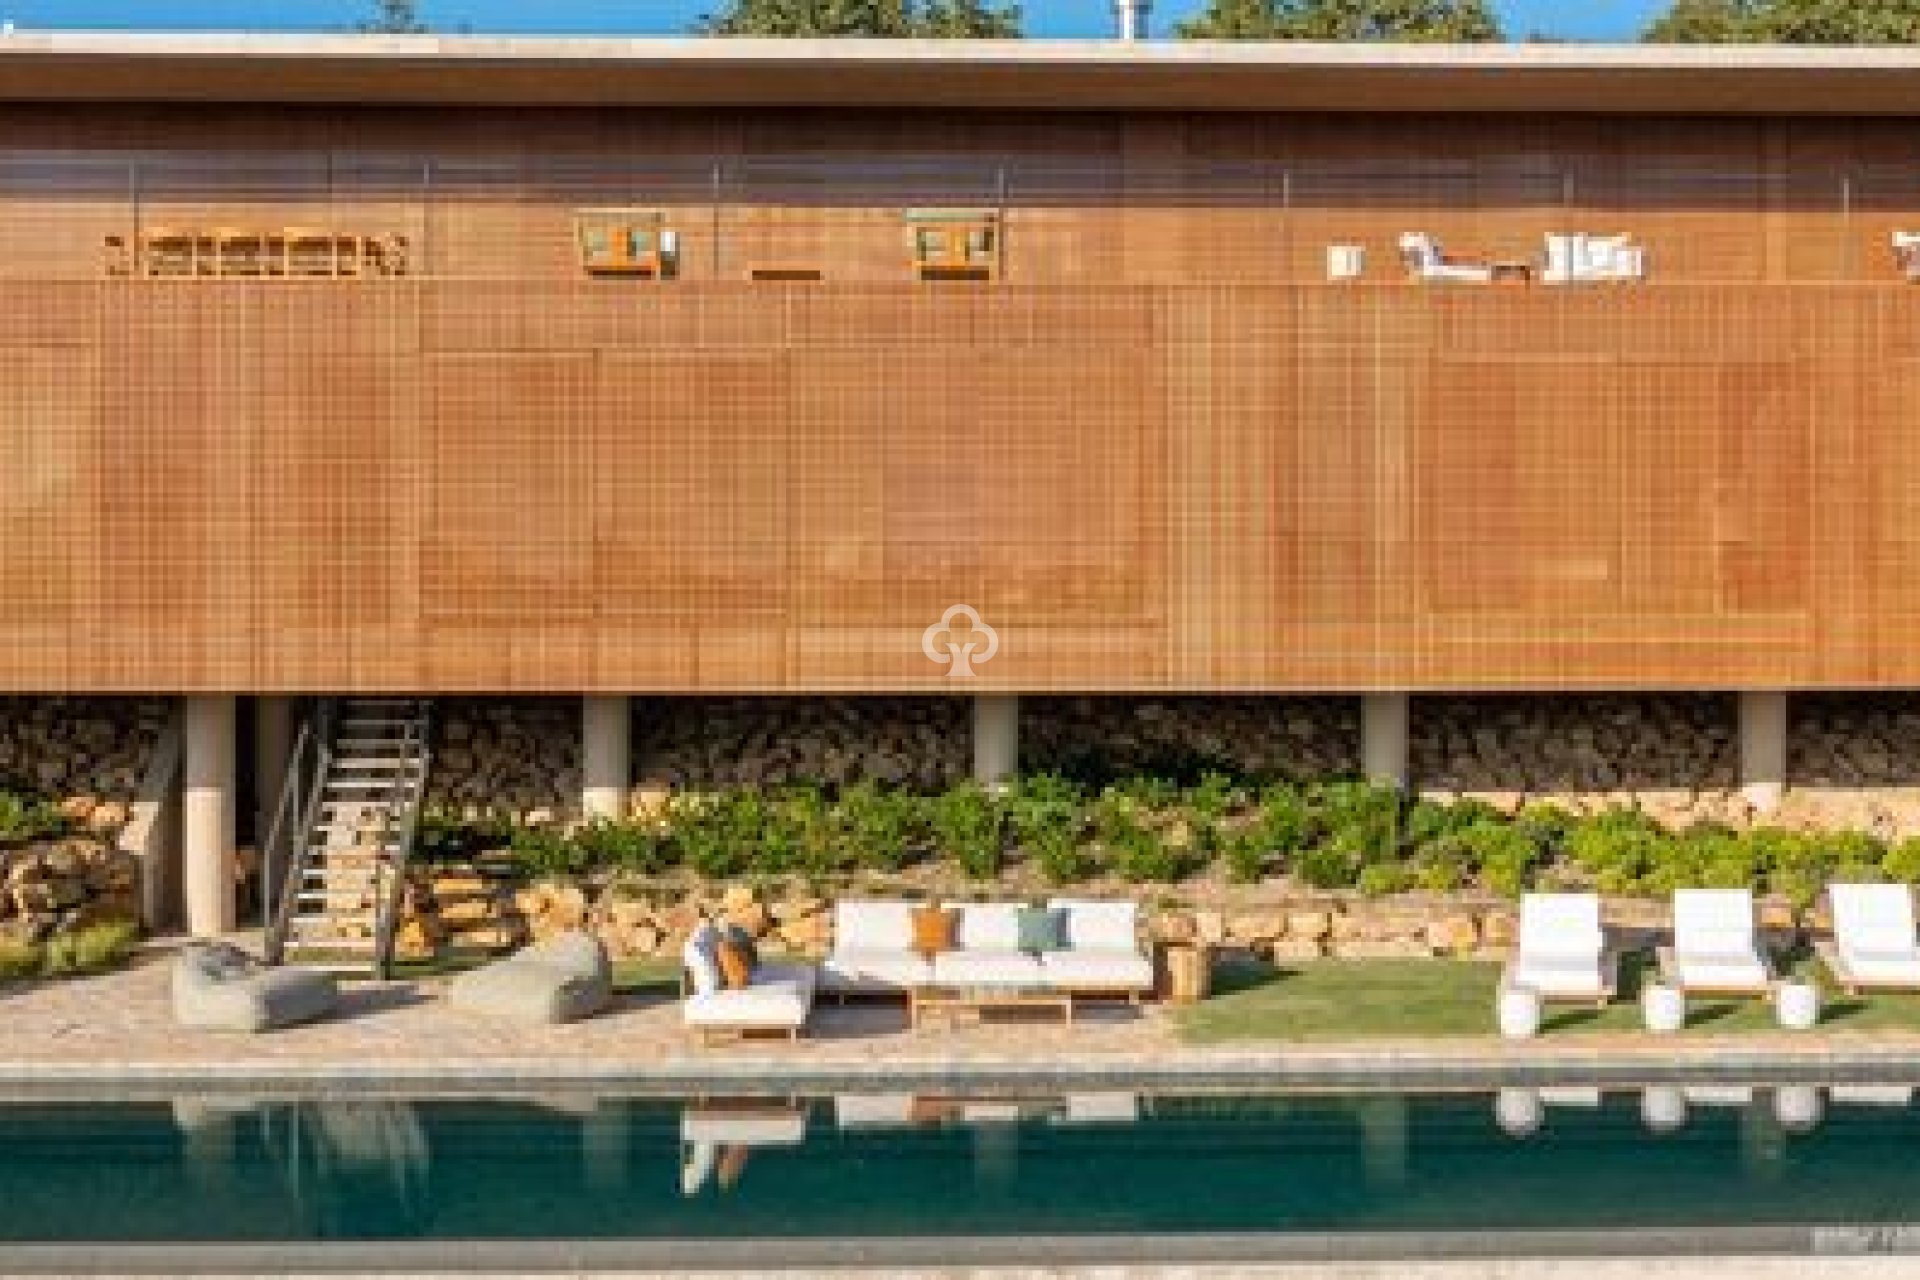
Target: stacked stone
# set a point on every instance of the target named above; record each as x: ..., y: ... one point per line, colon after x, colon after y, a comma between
x: 1299, y: 738
x: 515, y: 758
x: 89, y: 754
x: 59, y: 885
x: 465, y: 908
x: 921, y: 743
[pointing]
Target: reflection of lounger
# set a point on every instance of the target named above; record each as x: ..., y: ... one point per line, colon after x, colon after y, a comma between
x: 1873, y: 1095
x: 873, y: 1110
x: 718, y: 1140
x: 1100, y: 1108
x: 1520, y: 1112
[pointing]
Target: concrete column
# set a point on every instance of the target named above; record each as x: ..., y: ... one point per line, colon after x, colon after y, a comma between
x: 272, y: 748
x: 1763, y: 749
x: 1383, y: 738
x: 606, y: 761
x: 208, y: 815
x: 996, y: 737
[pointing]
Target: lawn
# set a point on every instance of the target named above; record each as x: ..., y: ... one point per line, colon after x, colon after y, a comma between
x: 1324, y: 1000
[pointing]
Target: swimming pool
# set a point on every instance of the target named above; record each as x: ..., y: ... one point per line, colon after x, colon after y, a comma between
x: 860, y: 1167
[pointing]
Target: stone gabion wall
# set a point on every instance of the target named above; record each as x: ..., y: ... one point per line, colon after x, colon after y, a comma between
x: 506, y: 757
x: 924, y: 743
x: 1298, y: 738
x: 89, y: 754
x: 1854, y: 761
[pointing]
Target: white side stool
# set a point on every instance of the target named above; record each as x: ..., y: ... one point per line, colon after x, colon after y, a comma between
x: 1796, y: 1002
x: 1519, y: 1012
x: 1663, y: 1008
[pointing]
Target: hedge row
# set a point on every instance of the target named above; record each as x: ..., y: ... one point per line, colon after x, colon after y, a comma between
x: 1329, y: 835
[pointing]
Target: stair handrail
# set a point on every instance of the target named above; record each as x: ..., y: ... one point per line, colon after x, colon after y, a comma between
x: 289, y: 839
x: 406, y: 797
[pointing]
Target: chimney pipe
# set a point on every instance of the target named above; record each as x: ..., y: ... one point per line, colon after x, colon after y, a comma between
x: 1131, y: 17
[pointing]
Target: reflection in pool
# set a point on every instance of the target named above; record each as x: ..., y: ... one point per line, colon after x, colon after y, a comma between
x: 579, y: 1166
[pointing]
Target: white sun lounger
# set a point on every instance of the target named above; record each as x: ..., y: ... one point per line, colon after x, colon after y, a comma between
x: 1562, y: 952
x: 1873, y: 938
x: 1716, y: 949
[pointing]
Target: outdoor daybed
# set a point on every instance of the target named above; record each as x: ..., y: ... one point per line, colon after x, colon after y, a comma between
x: 775, y: 997
x: 563, y: 979
x: 219, y: 987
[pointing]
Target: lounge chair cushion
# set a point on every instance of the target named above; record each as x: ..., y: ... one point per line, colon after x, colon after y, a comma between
x: 561, y: 980
x: 779, y: 998
x: 1892, y: 964
x: 875, y: 970
x: 1717, y: 970
x: 1558, y: 975
x: 1083, y: 969
x: 218, y: 987
x: 987, y: 968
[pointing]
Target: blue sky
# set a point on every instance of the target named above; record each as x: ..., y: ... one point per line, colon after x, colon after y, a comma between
x: 1588, y: 19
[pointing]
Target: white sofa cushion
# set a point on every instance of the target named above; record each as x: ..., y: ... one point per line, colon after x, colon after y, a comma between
x: 873, y: 926
x: 859, y: 969
x: 987, y: 926
x: 987, y: 968
x: 1095, y: 925
x: 1106, y: 970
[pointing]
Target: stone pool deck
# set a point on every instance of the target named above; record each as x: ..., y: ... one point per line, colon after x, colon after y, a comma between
x: 115, y: 1032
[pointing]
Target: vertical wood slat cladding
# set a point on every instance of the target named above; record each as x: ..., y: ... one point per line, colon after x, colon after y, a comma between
x: 433, y: 485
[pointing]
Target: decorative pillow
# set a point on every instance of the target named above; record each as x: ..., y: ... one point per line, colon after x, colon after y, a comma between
x: 697, y: 957
x: 740, y: 938
x: 1042, y: 929
x: 736, y: 969
x: 933, y: 929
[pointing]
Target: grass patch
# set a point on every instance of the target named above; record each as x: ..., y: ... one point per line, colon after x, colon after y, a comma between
x: 1325, y: 1000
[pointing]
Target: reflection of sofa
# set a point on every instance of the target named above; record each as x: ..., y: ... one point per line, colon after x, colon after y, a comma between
x: 218, y: 987
x: 777, y: 997
x: 873, y: 950
x: 560, y: 980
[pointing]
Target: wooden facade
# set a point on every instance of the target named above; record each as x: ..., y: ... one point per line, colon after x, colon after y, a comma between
x: 1157, y: 449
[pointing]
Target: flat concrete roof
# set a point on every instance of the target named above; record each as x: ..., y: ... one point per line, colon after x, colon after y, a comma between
x: 1015, y: 74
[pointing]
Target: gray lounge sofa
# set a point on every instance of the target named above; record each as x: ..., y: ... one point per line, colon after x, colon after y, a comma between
x: 563, y: 979
x: 219, y: 987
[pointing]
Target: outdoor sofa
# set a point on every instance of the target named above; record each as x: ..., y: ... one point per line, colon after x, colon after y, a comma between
x: 873, y: 951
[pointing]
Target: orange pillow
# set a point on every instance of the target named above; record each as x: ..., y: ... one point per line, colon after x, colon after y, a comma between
x: 932, y: 930
x: 736, y: 967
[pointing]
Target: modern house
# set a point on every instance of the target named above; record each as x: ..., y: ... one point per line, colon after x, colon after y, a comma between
x: 404, y: 367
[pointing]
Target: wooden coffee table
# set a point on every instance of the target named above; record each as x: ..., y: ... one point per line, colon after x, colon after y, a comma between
x: 922, y: 1001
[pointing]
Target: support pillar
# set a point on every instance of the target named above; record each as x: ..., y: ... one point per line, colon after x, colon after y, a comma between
x: 1763, y: 749
x: 996, y: 737
x: 207, y: 815
x: 1383, y: 738
x: 606, y: 762
x: 272, y: 749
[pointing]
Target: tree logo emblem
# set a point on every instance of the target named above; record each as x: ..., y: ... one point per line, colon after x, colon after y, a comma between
x: 960, y: 639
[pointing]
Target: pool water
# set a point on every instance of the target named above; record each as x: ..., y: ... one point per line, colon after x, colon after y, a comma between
x: 878, y: 1166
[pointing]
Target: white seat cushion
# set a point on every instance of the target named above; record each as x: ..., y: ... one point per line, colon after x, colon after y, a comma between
x: 1721, y: 970
x: 1557, y: 975
x: 1875, y: 964
x: 845, y: 970
x: 987, y: 968
x: 1110, y: 970
x: 987, y: 926
x: 1094, y: 925
x: 873, y: 926
x: 781, y: 995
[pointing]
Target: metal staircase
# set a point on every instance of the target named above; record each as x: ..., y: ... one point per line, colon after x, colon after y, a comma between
x: 335, y: 860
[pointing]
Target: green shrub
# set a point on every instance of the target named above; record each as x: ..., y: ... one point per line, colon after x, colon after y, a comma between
x: 19, y: 959
x: 24, y: 819
x: 543, y: 853
x: 1616, y: 848
x: 630, y: 847
x: 1902, y: 862
x: 1285, y: 823
x: 1361, y: 819
x: 92, y: 949
x: 1383, y: 878
x: 1048, y: 821
x: 1329, y: 866
x: 1141, y: 851
x: 1855, y: 857
x: 878, y: 826
x: 966, y: 825
x: 1245, y: 851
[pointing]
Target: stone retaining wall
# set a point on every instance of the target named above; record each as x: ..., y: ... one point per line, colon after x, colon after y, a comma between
x: 87, y: 754
x: 483, y: 907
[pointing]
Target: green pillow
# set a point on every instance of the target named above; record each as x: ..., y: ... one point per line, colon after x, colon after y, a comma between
x: 1042, y: 929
